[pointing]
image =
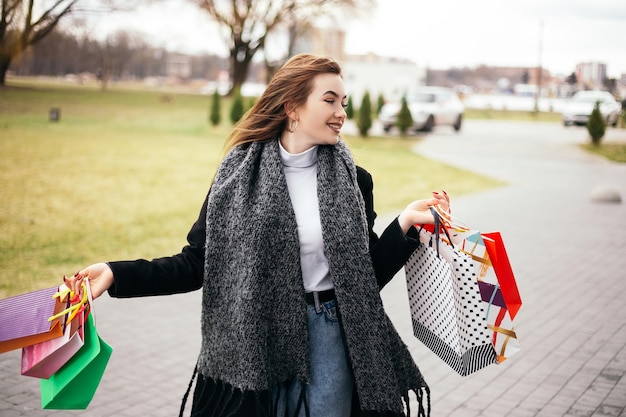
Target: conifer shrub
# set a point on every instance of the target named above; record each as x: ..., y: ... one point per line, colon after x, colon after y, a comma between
x: 251, y: 102
x: 404, y: 120
x: 237, y: 108
x: 364, y: 122
x: 350, y: 109
x: 380, y: 102
x: 596, y: 126
x: 215, y: 115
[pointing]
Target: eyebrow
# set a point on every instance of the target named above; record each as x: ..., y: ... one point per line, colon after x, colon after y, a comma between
x: 331, y: 92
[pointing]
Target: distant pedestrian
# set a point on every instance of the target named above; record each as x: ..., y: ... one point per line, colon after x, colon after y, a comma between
x: 290, y: 267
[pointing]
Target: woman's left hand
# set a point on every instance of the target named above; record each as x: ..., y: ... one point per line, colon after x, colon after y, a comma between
x: 418, y: 212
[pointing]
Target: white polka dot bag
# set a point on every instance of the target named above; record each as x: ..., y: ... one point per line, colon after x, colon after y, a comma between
x: 496, y: 281
x: 447, y: 311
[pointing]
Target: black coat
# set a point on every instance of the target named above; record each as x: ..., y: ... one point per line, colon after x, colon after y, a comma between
x: 183, y: 272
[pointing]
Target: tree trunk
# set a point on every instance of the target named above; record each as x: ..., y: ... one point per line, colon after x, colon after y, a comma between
x: 5, y: 62
x: 240, y: 73
x: 240, y: 57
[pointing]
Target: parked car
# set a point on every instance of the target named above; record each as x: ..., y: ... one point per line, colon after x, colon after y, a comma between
x: 430, y: 107
x: 578, y: 108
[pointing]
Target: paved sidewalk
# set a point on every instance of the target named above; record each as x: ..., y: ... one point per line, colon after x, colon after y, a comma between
x: 569, y: 257
x: 568, y: 254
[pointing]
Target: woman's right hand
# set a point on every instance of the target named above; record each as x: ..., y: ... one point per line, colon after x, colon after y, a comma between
x: 100, y: 279
x: 418, y: 212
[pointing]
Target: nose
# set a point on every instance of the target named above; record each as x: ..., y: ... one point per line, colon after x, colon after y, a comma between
x: 341, y: 113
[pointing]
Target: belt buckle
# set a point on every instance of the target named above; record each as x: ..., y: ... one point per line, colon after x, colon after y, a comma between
x: 316, y: 298
x: 316, y: 302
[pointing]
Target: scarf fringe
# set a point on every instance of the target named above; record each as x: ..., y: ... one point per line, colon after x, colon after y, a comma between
x: 224, y: 400
x: 213, y: 398
x: 422, y: 411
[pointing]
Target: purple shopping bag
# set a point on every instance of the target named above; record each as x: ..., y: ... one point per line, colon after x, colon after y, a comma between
x: 24, y: 319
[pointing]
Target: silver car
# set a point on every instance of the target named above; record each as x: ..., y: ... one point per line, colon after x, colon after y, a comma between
x: 578, y: 108
x: 429, y: 106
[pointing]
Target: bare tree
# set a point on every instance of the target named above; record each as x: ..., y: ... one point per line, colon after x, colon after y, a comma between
x: 248, y: 24
x: 21, y: 27
x: 23, y: 23
x: 114, y: 56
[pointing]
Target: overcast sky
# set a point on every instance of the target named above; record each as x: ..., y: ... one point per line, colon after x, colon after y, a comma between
x: 439, y: 34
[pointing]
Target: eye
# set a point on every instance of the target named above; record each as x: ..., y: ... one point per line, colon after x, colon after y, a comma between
x: 332, y: 102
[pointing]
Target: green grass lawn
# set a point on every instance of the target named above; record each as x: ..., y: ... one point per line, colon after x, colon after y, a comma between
x: 615, y: 152
x: 512, y: 115
x: 123, y: 175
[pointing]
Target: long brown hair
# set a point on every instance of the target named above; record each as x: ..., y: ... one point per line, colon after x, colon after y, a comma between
x: 291, y: 85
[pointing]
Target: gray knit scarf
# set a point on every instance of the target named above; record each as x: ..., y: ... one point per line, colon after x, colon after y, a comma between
x: 254, y: 328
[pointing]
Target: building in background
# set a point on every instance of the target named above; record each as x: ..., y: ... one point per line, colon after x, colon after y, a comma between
x: 322, y: 41
x: 378, y: 75
x: 591, y: 75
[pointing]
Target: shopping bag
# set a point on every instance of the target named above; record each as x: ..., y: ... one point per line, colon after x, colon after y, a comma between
x: 496, y: 282
x: 73, y: 386
x: 447, y: 311
x: 503, y: 335
x: 504, y: 273
x: 43, y: 359
x: 24, y: 319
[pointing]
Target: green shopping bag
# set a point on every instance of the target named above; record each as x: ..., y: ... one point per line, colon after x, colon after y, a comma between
x: 73, y: 386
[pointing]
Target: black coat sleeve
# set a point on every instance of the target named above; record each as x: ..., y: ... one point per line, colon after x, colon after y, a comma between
x: 169, y: 275
x: 393, y: 248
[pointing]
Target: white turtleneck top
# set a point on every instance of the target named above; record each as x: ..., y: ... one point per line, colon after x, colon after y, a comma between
x: 301, y: 173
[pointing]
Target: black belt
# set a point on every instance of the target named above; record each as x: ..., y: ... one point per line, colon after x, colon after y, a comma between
x: 322, y: 296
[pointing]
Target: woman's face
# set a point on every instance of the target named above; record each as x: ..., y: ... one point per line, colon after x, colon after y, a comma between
x: 320, y: 119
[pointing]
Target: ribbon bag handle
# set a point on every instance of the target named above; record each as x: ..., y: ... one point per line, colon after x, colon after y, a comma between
x: 439, y: 225
x: 76, y: 303
x: 449, y: 221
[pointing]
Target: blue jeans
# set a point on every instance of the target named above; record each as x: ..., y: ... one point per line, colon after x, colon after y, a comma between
x: 329, y: 393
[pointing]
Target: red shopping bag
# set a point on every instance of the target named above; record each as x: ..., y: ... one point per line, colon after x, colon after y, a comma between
x: 502, y: 268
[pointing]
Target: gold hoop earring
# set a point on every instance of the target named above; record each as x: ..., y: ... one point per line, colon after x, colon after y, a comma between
x: 292, y: 127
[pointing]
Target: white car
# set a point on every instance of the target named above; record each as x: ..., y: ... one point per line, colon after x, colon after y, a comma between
x: 430, y: 107
x: 578, y: 108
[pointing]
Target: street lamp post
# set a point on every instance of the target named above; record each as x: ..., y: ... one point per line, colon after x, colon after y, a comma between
x: 539, y: 70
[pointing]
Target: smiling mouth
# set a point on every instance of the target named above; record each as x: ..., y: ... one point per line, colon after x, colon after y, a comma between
x: 335, y: 126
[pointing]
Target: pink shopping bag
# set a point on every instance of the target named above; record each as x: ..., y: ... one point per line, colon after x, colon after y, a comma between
x: 45, y: 358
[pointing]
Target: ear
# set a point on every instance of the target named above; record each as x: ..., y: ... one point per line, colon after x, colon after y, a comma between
x: 291, y: 111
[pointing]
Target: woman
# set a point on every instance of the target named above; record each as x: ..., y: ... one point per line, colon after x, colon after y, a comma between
x: 284, y: 250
